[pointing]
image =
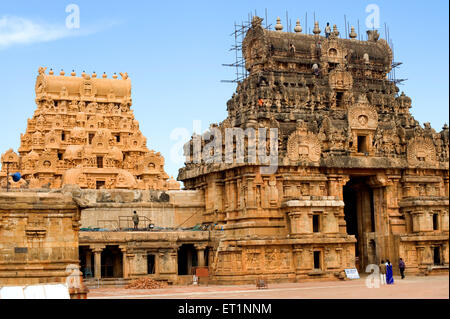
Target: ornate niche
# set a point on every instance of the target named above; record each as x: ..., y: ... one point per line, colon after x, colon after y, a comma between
x: 363, y: 122
x: 421, y: 152
x: 333, y: 53
x: 12, y: 159
x: 52, y: 140
x: 340, y: 80
x: 334, y: 60
x: 87, y: 87
x: 255, y: 46
x: 303, y: 146
x: 47, y: 161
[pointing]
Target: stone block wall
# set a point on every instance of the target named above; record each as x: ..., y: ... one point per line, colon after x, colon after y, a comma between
x: 112, y: 209
x: 38, y: 237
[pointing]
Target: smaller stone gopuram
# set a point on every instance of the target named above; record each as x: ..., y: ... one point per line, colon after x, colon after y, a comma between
x: 83, y: 132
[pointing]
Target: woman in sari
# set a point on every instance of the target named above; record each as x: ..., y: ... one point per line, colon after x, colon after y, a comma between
x: 389, y: 273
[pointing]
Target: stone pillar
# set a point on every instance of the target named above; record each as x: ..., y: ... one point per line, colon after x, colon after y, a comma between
x: 130, y: 265
x: 445, y: 253
x: 251, y: 200
x: 227, y: 194
x: 167, y: 263
x: 218, y: 188
x: 444, y: 221
x: 125, y: 272
x: 336, y: 184
x: 89, y: 260
x: 232, y: 195
x: 200, y: 254
x: 98, y: 261
x: 446, y: 187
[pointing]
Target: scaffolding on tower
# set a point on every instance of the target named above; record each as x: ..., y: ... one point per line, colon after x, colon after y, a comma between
x: 240, y: 30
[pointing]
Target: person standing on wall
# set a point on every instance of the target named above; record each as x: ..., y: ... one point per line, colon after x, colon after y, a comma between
x: 135, y: 220
x: 327, y: 30
x: 402, y: 266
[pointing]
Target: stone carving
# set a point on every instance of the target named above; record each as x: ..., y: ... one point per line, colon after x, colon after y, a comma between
x: 421, y: 151
x: 303, y: 145
x: 362, y: 115
x: 340, y: 79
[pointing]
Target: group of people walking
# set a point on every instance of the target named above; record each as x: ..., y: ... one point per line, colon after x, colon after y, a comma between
x: 387, y: 274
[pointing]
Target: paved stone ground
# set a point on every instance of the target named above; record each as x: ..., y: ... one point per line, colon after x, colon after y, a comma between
x: 412, y: 287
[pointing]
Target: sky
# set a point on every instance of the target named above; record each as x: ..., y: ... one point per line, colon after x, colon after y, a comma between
x: 173, y: 52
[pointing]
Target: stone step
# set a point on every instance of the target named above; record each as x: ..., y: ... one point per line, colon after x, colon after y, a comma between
x: 106, y: 282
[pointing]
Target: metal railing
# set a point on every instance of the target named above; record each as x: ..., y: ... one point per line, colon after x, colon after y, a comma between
x: 109, y: 224
x: 127, y: 222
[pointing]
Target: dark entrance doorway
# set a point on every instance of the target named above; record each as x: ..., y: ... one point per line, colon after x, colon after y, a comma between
x: 187, y: 258
x: 360, y: 220
x: 437, y: 255
x: 150, y: 264
x: 112, y: 260
x: 86, y: 261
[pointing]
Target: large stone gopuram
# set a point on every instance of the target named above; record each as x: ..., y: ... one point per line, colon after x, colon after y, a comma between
x: 358, y: 178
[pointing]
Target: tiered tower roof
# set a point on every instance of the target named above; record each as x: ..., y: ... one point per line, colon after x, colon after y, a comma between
x: 84, y: 132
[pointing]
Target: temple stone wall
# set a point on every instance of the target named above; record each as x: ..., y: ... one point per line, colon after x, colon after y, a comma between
x: 112, y: 209
x: 38, y: 237
x: 137, y: 246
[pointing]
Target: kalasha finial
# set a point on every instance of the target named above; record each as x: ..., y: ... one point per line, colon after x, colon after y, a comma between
x: 51, y: 72
x: 104, y: 75
x: 353, y: 34
x: 62, y: 73
x: 335, y: 30
x: 94, y: 75
x: 278, y: 26
x: 298, y: 27
x: 316, y: 29
x: 114, y: 76
x: 73, y: 73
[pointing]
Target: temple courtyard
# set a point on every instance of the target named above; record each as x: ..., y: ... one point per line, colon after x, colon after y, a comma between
x: 412, y: 287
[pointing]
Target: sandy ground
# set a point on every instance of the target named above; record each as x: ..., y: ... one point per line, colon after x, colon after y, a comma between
x: 412, y: 287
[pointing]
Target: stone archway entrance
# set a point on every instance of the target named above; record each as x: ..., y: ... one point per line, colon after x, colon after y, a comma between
x: 359, y: 216
x: 187, y: 258
x: 111, y: 262
x: 87, y: 266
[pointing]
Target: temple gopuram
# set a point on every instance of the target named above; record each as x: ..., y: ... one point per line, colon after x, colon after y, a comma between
x: 84, y: 132
x: 358, y: 179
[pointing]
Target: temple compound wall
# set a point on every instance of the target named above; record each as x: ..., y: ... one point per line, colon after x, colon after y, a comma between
x: 38, y: 237
x: 112, y: 209
x: 163, y: 255
x: 167, y: 245
x: 46, y: 235
x: 357, y: 178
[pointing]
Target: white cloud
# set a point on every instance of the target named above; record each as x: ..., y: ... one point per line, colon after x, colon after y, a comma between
x: 17, y: 30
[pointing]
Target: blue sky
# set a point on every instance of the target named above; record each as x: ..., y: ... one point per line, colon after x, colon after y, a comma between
x: 173, y: 52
